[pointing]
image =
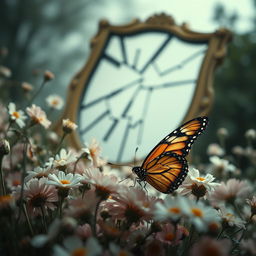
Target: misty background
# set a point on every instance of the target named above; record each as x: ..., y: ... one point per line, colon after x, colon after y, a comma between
x: 55, y: 35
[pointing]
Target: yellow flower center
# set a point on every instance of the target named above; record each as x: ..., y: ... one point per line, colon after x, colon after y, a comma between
x: 55, y: 102
x: 79, y: 252
x: 16, y: 183
x: 61, y: 162
x: 93, y: 152
x: 169, y: 236
x: 122, y: 253
x: 65, y: 181
x: 200, y: 178
x: 37, y: 120
x: 146, y: 204
x: 197, y: 212
x: 16, y: 114
x: 5, y: 199
x: 174, y: 210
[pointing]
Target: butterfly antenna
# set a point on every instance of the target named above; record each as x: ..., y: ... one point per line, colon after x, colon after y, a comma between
x: 119, y: 165
x: 123, y: 179
x: 134, y: 161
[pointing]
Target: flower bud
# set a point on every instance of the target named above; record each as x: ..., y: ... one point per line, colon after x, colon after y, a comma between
x: 48, y: 76
x: 222, y: 132
x: 26, y: 87
x: 4, y: 147
x: 250, y: 134
x: 5, y: 72
x: 68, y: 126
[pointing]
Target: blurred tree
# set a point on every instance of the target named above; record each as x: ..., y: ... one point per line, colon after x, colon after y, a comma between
x: 234, y: 106
x: 46, y: 34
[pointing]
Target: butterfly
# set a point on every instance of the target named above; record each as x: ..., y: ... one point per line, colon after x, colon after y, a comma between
x: 165, y: 167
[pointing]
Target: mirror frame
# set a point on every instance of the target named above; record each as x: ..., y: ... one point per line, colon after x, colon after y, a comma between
x: 204, y: 93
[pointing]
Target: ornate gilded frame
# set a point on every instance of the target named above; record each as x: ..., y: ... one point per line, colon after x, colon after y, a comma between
x: 204, y: 93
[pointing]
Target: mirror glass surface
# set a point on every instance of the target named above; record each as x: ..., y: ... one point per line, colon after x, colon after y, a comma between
x: 139, y: 91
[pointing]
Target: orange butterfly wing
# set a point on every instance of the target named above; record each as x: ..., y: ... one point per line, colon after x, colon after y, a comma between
x: 166, y: 172
x: 165, y: 167
x: 179, y: 141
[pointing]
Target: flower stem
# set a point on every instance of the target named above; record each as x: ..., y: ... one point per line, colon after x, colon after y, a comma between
x: 60, y: 206
x: 78, y: 159
x: 95, y: 218
x: 37, y: 93
x: 221, y: 232
x: 61, y: 141
x: 43, y: 218
x: 27, y: 218
x: 242, y: 235
x: 188, y: 241
x: 2, y: 177
x: 23, y: 178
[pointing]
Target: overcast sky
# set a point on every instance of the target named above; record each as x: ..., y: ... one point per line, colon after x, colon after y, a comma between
x: 198, y: 13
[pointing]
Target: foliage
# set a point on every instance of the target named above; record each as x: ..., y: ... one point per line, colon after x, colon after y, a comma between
x: 58, y: 201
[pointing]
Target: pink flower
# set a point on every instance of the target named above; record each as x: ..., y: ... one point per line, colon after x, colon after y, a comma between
x: 13, y: 180
x: 170, y: 235
x: 84, y: 231
x: 230, y: 191
x: 38, y: 116
x: 154, y: 247
x: 209, y: 246
x: 93, y: 151
x: 40, y: 195
x: 82, y: 208
x: 215, y: 150
x: 252, y: 203
x: 105, y: 185
x: 133, y: 205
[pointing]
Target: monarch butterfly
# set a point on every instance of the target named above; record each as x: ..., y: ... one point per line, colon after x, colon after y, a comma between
x: 166, y: 167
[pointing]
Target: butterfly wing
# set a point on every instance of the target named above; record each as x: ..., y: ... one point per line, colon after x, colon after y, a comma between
x: 166, y: 172
x: 179, y: 141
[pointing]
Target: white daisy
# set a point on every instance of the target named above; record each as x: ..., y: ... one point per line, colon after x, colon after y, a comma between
x: 198, y: 185
x: 17, y: 116
x: 62, y: 159
x: 169, y: 208
x: 74, y: 246
x: 54, y: 101
x: 229, y: 218
x: 221, y: 165
x: 38, y: 116
x: 38, y: 172
x: 200, y: 215
x: 215, y: 149
x: 63, y: 180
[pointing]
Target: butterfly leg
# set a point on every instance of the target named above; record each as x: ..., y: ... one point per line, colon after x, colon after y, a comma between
x: 142, y: 185
x: 135, y: 181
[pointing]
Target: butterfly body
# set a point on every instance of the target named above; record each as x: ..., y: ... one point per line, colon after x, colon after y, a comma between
x: 166, y: 167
